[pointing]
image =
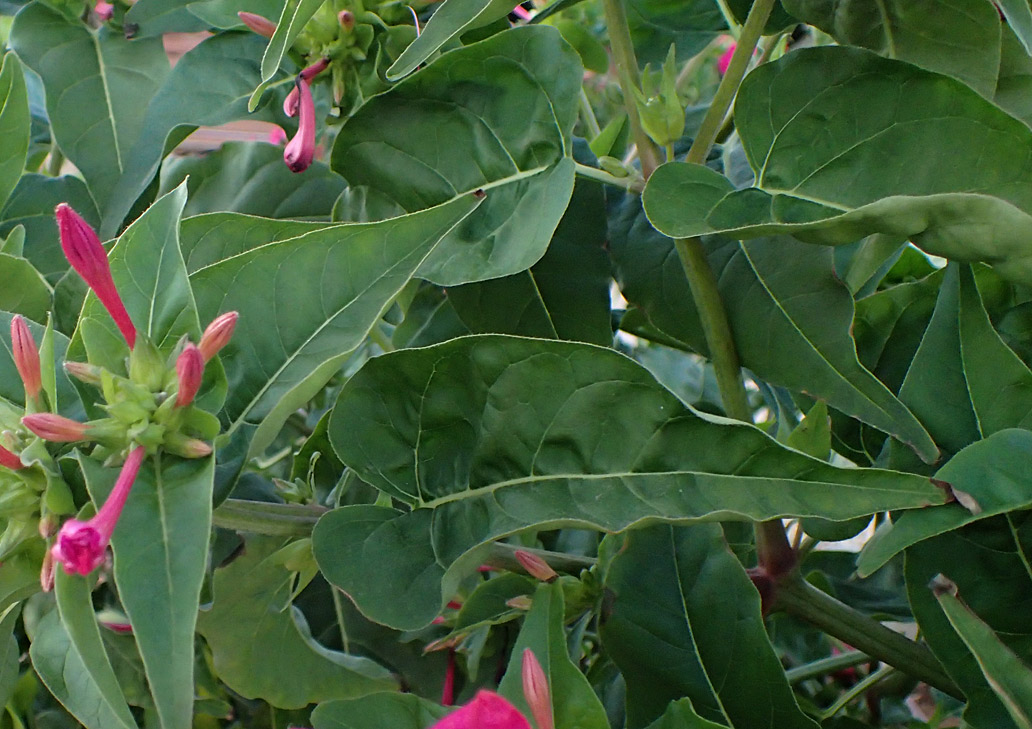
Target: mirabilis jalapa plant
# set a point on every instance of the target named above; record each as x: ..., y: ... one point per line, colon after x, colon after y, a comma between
x: 373, y: 443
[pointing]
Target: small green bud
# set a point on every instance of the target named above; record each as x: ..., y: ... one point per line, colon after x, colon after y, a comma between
x: 146, y: 366
x: 660, y: 110
x: 613, y: 166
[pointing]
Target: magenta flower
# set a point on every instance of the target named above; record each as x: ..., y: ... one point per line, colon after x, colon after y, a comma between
x: 81, y: 545
x: 55, y: 428
x: 84, y: 251
x: 26, y: 357
x: 189, y: 371
x: 725, y: 59
x: 487, y: 710
x: 218, y: 333
x: 300, y: 151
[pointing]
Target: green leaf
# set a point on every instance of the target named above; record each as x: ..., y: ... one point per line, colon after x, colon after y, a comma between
x: 590, y: 49
x: 496, y: 115
x: 685, y: 622
x: 960, y: 38
x: 790, y: 315
x: 993, y: 472
x: 296, y: 13
x: 98, y: 87
x: 161, y: 555
x: 32, y: 205
x: 1009, y: 677
x: 779, y: 19
x: 1019, y: 19
x: 228, y: 63
x: 24, y: 291
x: 485, y: 436
x: 252, y: 619
x: 287, y: 346
x: 574, y: 703
x: 840, y: 190
x: 62, y: 670
x: 75, y: 606
x: 989, y: 562
x: 378, y: 711
x: 9, y: 654
x: 655, y: 24
x: 451, y: 19
x: 14, y: 125
x: 250, y: 177
x: 150, y: 18
x: 681, y: 715
x: 565, y: 295
x: 1014, y: 85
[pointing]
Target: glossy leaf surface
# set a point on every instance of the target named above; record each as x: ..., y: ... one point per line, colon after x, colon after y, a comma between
x: 500, y: 421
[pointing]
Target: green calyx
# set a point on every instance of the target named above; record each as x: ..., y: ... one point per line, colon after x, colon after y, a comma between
x: 661, y: 112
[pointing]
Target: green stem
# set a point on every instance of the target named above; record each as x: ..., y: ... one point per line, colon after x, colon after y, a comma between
x: 503, y: 556
x: 631, y: 184
x: 338, y: 608
x: 380, y: 339
x: 55, y: 162
x: 259, y: 517
x: 798, y: 597
x: 587, y: 115
x: 669, y: 149
x: 627, y: 70
x: 728, y: 87
x: 824, y: 666
x: 859, y: 689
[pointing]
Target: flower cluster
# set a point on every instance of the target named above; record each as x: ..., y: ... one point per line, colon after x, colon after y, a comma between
x: 150, y: 406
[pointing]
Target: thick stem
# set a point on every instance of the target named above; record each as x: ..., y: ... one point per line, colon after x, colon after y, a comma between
x: 728, y: 87
x: 824, y: 666
x: 631, y: 184
x: 259, y: 517
x: 798, y: 597
x: 627, y: 70
x: 587, y: 115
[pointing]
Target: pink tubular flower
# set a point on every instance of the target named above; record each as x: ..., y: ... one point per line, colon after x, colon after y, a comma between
x: 259, y: 24
x: 218, y: 334
x: 522, y: 13
x: 300, y: 151
x: 189, y: 371
x: 535, y: 566
x: 84, y: 251
x: 9, y: 460
x: 26, y: 357
x: 448, y: 691
x: 55, y: 428
x: 536, y: 691
x: 487, y: 710
x: 81, y: 545
x: 725, y: 59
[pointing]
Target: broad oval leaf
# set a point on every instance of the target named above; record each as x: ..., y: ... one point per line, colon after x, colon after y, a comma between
x: 378, y: 711
x: 98, y: 86
x: 960, y: 38
x: 251, y: 619
x: 1019, y: 17
x: 24, y: 291
x: 14, y: 125
x: 685, y: 621
x: 292, y: 20
x: 828, y: 174
x: 497, y: 116
x: 484, y: 436
x: 298, y: 322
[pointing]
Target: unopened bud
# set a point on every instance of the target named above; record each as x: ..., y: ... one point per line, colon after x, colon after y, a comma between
x: 180, y: 445
x: 47, y: 526
x: 9, y: 460
x: 218, y: 334
x: 535, y: 566
x: 346, y: 18
x: 189, y: 371
x: 520, y: 602
x: 260, y: 25
x: 104, y: 10
x: 300, y: 151
x: 55, y: 428
x: 313, y: 70
x: 26, y: 357
x: 84, y: 372
x: 536, y: 691
x: 46, y: 574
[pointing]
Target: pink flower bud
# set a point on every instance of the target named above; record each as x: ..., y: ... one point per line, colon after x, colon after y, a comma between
x: 310, y: 72
x: 277, y: 136
x: 82, y: 545
x: 46, y: 573
x: 346, y: 18
x: 84, y: 372
x: 260, y: 25
x: 26, y: 357
x: 180, y: 445
x: 535, y: 566
x: 291, y: 103
x: 536, y: 691
x: 448, y: 691
x: 104, y: 10
x: 218, y: 334
x: 300, y: 151
x: 84, y: 251
x: 189, y: 371
x: 9, y: 460
x: 120, y: 628
x: 725, y: 59
x: 55, y: 428
x: 487, y: 710
x: 522, y: 13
